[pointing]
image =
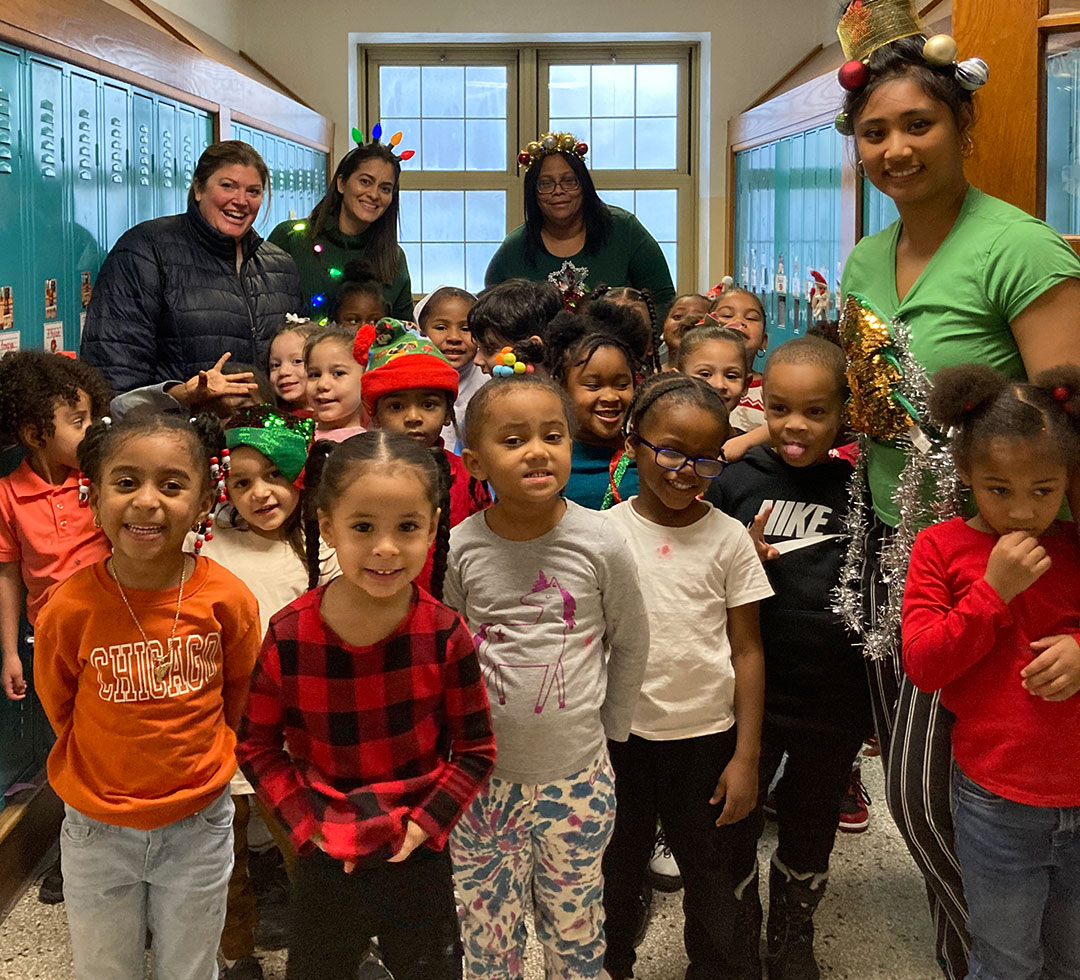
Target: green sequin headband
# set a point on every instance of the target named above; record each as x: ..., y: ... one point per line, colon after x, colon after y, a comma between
x: 284, y: 444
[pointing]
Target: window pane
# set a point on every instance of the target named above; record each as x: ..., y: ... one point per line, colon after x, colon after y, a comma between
x: 568, y: 90
x: 669, y: 250
x: 443, y: 91
x: 621, y: 199
x: 409, y: 216
x: 399, y: 91
x: 416, y: 267
x: 613, y: 90
x: 444, y: 144
x: 657, y: 90
x: 443, y: 216
x: 658, y: 211
x: 477, y: 257
x: 579, y: 127
x: 485, y: 216
x: 443, y: 264
x: 410, y: 140
x: 612, y: 144
x: 656, y: 146
x: 485, y: 144
x: 485, y: 91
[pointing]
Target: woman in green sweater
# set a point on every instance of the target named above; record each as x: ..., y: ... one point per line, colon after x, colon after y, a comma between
x: 356, y: 219
x: 565, y: 221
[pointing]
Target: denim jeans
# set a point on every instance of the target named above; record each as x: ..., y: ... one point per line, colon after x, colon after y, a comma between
x: 1021, y: 868
x: 119, y: 881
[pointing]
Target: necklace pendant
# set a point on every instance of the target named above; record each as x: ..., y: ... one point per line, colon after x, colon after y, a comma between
x: 161, y: 670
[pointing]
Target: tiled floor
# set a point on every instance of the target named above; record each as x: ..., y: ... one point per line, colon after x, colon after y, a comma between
x: 872, y: 925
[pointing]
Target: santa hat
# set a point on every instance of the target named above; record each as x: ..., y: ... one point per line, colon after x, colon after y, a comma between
x: 401, y: 360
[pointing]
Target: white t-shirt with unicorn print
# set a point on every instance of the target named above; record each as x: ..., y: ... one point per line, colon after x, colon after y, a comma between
x: 562, y: 635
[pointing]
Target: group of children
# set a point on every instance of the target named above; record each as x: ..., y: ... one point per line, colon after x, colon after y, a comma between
x: 625, y: 552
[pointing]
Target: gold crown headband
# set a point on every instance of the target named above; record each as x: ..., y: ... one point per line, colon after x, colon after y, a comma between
x: 551, y: 143
x: 871, y: 24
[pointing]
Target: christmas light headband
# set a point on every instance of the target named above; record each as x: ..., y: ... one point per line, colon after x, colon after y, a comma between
x: 871, y: 24
x: 551, y: 143
x: 376, y: 136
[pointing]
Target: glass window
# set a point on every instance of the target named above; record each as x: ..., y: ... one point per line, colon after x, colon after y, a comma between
x: 658, y: 211
x: 1063, y: 133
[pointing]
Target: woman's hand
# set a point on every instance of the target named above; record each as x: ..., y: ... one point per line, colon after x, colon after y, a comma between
x: 415, y: 835
x: 208, y: 386
x: 737, y: 788
x: 1054, y: 674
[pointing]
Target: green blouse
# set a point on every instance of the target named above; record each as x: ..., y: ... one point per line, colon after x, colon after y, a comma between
x: 994, y: 262
x: 337, y: 249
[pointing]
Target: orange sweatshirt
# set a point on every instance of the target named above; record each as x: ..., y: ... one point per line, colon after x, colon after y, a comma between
x: 132, y: 750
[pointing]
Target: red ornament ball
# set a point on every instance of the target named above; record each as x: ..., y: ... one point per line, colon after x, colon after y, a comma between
x: 524, y: 159
x: 853, y: 75
x: 582, y: 148
x: 1061, y: 393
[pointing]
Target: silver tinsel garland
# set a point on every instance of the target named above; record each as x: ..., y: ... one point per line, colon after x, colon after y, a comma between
x: 929, y: 491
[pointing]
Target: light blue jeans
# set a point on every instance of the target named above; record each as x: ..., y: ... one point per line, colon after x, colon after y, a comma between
x: 119, y: 881
x: 1021, y: 868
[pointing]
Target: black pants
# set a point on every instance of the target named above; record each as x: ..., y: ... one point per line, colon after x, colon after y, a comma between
x: 674, y: 780
x: 808, y: 795
x: 409, y: 906
x: 915, y: 733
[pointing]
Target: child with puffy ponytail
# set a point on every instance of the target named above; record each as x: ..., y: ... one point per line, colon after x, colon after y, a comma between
x: 142, y: 666
x: 991, y: 618
x: 375, y: 688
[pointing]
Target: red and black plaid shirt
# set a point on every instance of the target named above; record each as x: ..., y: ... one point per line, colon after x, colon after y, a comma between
x: 376, y: 736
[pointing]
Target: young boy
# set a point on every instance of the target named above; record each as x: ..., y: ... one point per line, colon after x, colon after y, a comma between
x: 513, y: 313
x: 794, y: 497
x: 46, y: 404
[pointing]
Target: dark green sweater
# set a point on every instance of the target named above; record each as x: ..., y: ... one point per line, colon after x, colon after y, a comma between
x: 337, y: 250
x: 631, y: 257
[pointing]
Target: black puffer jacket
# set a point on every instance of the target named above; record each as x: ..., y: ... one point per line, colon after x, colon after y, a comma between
x: 169, y: 301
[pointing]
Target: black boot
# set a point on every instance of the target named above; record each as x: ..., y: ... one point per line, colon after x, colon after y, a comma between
x: 790, y: 933
x: 743, y: 959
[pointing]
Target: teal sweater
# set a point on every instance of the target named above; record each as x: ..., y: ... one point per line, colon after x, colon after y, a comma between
x: 631, y: 257
x: 590, y: 476
x: 337, y: 250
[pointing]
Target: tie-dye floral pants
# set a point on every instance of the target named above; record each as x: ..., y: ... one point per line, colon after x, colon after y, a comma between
x: 545, y: 839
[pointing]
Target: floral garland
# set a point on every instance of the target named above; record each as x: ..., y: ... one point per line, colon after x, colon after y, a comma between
x: 884, y: 375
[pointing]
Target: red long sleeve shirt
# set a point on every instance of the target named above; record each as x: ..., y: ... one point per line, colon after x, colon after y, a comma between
x: 961, y: 638
x: 377, y: 735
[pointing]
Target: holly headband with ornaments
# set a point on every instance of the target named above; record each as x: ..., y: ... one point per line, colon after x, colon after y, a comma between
x: 871, y: 24
x: 551, y: 143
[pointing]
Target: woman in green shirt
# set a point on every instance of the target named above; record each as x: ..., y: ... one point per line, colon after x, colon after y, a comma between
x: 566, y: 222
x: 974, y: 280
x: 356, y: 219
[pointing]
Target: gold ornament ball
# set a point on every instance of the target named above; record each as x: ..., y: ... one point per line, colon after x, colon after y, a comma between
x: 533, y: 148
x: 567, y: 142
x: 940, y: 50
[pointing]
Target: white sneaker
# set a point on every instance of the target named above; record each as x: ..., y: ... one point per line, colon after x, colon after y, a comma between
x: 663, y: 873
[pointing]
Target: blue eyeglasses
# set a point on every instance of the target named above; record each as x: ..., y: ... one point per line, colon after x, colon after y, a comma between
x: 705, y: 467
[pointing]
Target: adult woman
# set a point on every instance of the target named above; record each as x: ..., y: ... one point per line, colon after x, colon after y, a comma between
x: 356, y: 219
x: 565, y: 221
x: 974, y: 280
x: 177, y: 293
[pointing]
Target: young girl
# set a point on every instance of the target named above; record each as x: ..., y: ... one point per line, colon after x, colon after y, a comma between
x: 443, y: 316
x: 375, y: 688
x: 142, y: 665
x: 514, y: 313
x: 360, y: 299
x: 641, y: 302
x: 259, y: 536
x: 991, y: 607
x: 333, y: 383
x: 687, y: 310
x: 552, y: 599
x: 692, y: 756
x: 285, y: 366
x: 596, y: 355
x: 717, y: 355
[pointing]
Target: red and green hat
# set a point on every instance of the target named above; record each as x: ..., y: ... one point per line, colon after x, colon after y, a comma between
x: 399, y: 359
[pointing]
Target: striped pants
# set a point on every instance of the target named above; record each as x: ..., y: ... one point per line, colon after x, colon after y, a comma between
x: 915, y: 733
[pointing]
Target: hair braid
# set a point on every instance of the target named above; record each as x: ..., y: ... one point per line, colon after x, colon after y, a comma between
x: 442, y: 533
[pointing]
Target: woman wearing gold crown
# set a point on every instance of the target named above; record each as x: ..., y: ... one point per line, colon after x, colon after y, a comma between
x: 961, y: 277
x: 572, y: 237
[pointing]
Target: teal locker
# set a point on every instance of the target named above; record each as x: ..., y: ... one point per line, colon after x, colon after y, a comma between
x: 14, y: 296
x: 86, y: 177
x: 116, y: 118
x: 878, y: 209
x: 142, y: 126
x: 296, y: 178
x: 166, y: 194
x: 46, y: 194
x: 189, y: 151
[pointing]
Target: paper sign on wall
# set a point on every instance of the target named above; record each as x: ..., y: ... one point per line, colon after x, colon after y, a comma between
x: 85, y: 288
x: 9, y: 342
x: 7, y: 308
x: 50, y: 299
x: 54, y: 336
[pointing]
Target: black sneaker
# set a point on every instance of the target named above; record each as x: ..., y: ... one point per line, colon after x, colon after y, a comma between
x: 51, y: 891
x: 245, y: 968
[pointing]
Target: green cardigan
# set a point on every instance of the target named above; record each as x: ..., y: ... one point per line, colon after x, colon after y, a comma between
x: 337, y: 250
x: 631, y: 257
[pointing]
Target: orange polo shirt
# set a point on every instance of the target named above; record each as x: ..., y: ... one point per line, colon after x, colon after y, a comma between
x: 131, y: 749
x: 43, y: 528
